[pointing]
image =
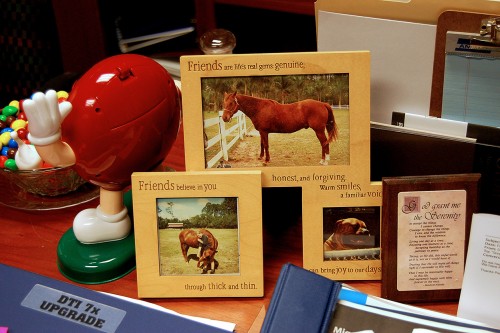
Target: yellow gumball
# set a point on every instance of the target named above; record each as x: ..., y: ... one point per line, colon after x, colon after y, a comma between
x: 17, y: 124
x: 62, y: 94
x: 15, y: 104
x: 5, y: 138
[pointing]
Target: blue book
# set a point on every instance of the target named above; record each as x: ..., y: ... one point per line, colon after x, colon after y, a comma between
x: 302, y: 301
x: 33, y: 303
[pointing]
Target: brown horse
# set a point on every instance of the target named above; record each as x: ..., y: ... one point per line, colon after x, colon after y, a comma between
x: 189, y: 238
x: 269, y: 116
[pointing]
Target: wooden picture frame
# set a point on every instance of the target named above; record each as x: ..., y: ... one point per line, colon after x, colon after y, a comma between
x: 425, y: 230
x: 341, y: 238
x: 171, y: 209
x: 343, y: 182
x: 206, y: 78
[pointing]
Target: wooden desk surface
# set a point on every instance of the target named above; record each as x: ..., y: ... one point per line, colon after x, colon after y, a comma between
x: 29, y: 241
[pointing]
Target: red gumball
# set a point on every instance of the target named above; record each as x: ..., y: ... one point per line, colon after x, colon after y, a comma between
x: 22, y: 115
x: 3, y: 158
x: 21, y: 109
x: 22, y: 133
x: 125, y: 118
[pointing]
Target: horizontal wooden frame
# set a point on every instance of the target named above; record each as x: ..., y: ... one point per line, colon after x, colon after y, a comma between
x: 353, y: 131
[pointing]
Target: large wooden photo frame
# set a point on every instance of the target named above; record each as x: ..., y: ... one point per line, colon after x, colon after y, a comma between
x: 198, y: 234
x: 217, y: 136
x: 425, y: 230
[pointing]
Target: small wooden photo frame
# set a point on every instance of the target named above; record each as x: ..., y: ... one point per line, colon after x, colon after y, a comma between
x: 341, y: 238
x: 198, y: 234
x: 311, y: 109
x: 425, y: 231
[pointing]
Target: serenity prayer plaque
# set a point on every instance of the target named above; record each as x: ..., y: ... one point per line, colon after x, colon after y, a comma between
x: 426, y: 224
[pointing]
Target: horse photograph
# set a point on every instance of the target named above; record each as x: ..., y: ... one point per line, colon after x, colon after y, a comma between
x: 288, y: 120
x: 198, y: 236
x: 203, y: 240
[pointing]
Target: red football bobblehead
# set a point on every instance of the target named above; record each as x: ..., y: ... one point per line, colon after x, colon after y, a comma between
x: 121, y: 116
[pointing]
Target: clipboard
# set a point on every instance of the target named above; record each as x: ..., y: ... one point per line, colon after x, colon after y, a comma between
x: 459, y: 21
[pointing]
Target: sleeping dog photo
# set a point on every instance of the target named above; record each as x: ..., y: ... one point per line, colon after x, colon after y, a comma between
x: 350, y: 228
x: 349, y: 233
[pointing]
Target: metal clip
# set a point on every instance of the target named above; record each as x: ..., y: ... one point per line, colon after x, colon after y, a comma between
x: 490, y: 28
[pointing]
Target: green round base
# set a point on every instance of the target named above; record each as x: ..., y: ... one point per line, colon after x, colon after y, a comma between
x: 95, y: 263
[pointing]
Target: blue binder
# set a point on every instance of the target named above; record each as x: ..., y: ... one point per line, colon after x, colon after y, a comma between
x: 302, y: 301
x: 33, y: 303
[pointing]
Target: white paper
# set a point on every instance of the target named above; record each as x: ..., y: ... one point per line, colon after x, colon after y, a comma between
x: 480, y: 296
x: 402, y: 59
x: 437, y: 125
x: 227, y: 326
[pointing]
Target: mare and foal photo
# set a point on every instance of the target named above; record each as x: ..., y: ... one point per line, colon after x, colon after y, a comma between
x: 293, y: 120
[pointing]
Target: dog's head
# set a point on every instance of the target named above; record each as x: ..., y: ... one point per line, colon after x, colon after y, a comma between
x: 349, y: 233
x: 351, y: 226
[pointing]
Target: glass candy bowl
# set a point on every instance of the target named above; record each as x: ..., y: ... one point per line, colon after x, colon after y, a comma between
x: 47, y: 181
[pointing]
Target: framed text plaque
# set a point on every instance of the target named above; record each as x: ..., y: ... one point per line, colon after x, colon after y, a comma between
x: 426, y: 224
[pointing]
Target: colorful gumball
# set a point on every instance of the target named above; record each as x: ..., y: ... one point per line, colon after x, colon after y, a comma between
x: 22, y: 115
x: 22, y: 133
x: 17, y: 124
x: 62, y: 96
x: 10, y: 163
x: 10, y: 110
x: 3, y: 158
x: 9, y: 120
x: 5, y: 137
x: 12, y: 144
x: 13, y: 118
x: 11, y: 152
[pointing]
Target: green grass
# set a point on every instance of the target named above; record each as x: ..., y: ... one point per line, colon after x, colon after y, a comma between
x: 172, y: 262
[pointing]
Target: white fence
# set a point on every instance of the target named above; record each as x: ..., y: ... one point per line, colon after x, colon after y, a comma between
x: 238, y: 131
